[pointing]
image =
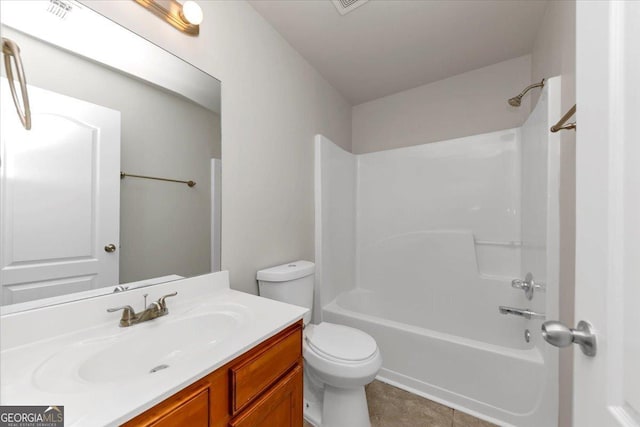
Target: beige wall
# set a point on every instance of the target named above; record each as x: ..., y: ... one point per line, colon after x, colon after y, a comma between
x: 467, y: 104
x: 554, y: 53
x: 273, y: 102
x: 155, y: 238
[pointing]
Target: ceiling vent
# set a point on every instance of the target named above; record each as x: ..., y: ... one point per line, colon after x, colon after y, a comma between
x: 59, y: 8
x: 346, y: 6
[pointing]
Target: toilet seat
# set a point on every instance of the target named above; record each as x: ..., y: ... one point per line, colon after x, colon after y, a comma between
x: 340, y: 343
x: 340, y: 356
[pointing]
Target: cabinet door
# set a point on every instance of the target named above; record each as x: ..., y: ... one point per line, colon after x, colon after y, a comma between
x: 194, y: 412
x: 189, y: 407
x: 281, y: 406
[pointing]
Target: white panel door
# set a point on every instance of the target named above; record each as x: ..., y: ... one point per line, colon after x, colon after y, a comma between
x: 59, y: 195
x: 607, y: 386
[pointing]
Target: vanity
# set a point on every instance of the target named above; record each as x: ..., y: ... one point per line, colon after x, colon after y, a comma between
x: 218, y: 358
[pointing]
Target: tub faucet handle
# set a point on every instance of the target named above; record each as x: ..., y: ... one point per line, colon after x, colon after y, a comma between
x: 528, y: 285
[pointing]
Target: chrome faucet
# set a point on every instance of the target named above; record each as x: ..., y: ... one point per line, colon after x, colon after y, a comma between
x: 155, y: 309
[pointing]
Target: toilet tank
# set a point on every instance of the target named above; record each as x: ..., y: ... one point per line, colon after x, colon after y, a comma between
x: 291, y: 283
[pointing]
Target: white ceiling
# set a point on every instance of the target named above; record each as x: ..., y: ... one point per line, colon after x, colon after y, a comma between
x: 386, y: 46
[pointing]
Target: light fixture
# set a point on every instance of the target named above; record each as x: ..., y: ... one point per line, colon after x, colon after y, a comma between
x: 185, y: 16
x: 192, y: 12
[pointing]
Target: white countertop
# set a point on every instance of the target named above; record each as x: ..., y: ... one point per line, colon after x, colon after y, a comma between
x: 42, y: 351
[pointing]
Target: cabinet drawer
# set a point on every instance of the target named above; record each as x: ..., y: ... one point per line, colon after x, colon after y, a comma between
x: 253, y: 376
x: 193, y: 412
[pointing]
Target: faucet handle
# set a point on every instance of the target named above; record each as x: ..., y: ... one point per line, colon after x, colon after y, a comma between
x: 128, y: 315
x: 161, y: 300
x: 528, y: 285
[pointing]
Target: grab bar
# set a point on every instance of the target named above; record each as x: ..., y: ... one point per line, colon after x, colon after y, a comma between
x: 11, y: 49
x: 511, y: 244
x: 522, y: 312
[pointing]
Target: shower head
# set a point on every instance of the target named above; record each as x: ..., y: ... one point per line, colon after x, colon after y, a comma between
x: 517, y: 100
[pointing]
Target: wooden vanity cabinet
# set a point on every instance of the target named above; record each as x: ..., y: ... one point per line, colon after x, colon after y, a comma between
x: 261, y: 388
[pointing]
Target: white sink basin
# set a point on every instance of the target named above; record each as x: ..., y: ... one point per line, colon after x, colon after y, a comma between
x: 137, y: 351
x: 135, y: 356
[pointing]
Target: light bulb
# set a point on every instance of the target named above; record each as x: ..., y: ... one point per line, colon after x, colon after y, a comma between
x: 192, y: 12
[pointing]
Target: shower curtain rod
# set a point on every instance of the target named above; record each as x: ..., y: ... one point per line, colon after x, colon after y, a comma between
x: 189, y: 183
x: 561, y: 123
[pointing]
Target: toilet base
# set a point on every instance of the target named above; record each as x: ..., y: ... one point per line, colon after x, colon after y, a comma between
x: 329, y: 406
x: 345, y: 407
x: 313, y: 412
x: 340, y: 408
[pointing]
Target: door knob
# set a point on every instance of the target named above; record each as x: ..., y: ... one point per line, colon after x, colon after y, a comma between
x: 559, y: 335
x: 110, y: 248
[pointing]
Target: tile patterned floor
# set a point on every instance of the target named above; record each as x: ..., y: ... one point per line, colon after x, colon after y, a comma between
x: 392, y: 407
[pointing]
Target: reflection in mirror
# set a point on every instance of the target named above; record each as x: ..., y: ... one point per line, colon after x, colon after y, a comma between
x: 74, y: 219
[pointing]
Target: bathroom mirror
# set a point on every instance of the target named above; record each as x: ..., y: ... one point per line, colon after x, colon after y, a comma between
x: 91, y: 197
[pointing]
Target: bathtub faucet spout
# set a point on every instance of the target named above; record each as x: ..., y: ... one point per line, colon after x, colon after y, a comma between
x: 522, y: 312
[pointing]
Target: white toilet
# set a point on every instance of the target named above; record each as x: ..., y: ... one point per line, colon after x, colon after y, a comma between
x: 338, y: 360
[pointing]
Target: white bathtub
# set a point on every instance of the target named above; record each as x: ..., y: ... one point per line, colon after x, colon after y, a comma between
x: 501, y: 384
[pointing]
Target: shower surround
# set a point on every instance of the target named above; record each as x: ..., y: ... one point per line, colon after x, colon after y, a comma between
x: 418, y: 246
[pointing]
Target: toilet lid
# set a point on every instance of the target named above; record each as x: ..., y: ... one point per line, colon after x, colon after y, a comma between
x: 341, y: 342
